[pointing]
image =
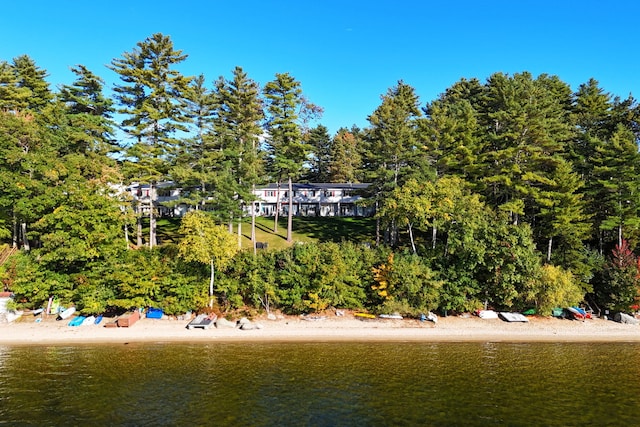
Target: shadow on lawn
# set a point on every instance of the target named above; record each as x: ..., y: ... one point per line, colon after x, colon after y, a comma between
x: 322, y: 229
x: 335, y: 229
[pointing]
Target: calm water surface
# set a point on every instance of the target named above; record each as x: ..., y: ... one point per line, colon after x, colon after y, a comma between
x: 321, y: 384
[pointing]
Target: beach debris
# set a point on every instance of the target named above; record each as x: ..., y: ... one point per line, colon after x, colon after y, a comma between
x: 313, y: 317
x: 431, y: 317
x: 7, y: 315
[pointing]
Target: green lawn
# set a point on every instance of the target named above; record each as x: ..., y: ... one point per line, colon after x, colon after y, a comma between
x: 305, y: 229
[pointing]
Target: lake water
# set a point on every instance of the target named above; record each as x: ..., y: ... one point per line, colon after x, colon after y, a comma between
x: 321, y: 384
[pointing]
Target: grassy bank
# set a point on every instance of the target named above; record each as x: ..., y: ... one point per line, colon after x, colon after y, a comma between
x: 305, y: 229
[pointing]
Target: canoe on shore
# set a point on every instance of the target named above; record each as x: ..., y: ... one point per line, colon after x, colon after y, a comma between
x: 364, y: 316
x: 578, y: 313
x: 391, y: 316
x: 66, y: 313
x: 512, y: 317
x: 487, y: 314
x: 77, y: 321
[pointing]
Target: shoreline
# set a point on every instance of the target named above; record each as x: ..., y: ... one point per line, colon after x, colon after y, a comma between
x: 26, y: 331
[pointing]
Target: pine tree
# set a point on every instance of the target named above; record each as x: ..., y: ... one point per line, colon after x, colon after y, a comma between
x: 320, y: 159
x: 616, y: 184
x: 197, y: 156
x: 591, y: 115
x: 525, y: 142
x: 13, y: 98
x: 89, y: 115
x: 152, y: 99
x: 288, y: 114
x: 31, y: 77
x: 391, y: 146
x: 345, y: 157
x: 238, y: 128
x: 450, y: 132
x: 603, y: 154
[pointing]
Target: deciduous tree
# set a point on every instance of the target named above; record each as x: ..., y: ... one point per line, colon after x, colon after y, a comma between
x: 206, y: 243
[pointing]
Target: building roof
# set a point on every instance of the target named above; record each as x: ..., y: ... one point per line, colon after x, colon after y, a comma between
x: 315, y: 186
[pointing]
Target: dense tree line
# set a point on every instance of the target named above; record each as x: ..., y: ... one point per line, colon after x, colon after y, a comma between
x: 513, y: 193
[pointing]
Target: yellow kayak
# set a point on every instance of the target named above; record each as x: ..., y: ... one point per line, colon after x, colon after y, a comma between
x: 365, y: 315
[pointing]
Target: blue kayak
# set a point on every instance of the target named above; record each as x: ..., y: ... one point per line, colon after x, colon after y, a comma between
x: 77, y: 321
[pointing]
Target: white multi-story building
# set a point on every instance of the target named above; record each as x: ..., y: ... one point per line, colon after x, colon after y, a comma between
x: 315, y: 199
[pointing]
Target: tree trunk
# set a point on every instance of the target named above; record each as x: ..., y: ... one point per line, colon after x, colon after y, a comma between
x: 25, y: 240
x: 434, y: 237
x: 386, y: 238
x: 290, y: 213
x: 620, y: 235
x: 253, y: 223
x: 265, y: 302
x: 394, y: 233
x: 152, y: 228
x: 275, y: 221
x: 549, y: 246
x: 413, y: 245
x: 152, y: 219
x: 446, y: 246
x: 211, y: 280
x: 600, y: 243
x: 15, y: 235
x: 377, y: 227
x: 203, y: 201
x: 139, y: 229
x: 239, y: 235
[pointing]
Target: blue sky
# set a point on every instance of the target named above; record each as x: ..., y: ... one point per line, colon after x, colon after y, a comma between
x: 346, y: 54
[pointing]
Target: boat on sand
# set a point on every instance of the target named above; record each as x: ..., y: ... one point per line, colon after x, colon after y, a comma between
x: 204, y: 321
x: 364, y: 316
x: 66, y: 313
x: 395, y: 316
x: 487, y: 314
x: 513, y: 317
x: 579, y: 313
x: 77, y: 321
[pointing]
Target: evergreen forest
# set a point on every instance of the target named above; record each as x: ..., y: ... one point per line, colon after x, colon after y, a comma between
x: 512, y: 193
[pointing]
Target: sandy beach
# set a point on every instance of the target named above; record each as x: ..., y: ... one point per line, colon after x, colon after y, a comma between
x: 26, y: 331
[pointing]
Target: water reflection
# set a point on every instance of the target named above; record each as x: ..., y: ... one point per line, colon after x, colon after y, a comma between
x: 321, y: 384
